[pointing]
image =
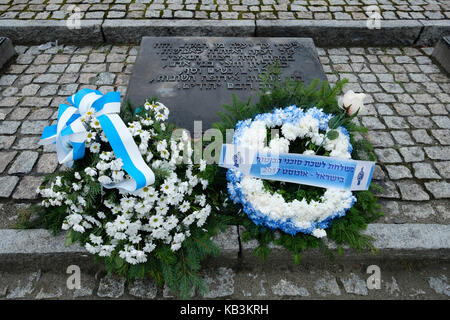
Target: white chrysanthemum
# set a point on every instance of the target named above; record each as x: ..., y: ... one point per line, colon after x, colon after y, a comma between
x: 95, y: 147
x: 132, y: 225
x: 303, y: 214
x: 90, y: 171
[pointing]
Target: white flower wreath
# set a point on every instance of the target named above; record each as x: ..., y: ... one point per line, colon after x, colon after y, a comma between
x: 134, y: 224
x: 270, y: 208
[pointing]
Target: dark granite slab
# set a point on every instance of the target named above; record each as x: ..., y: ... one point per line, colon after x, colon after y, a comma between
x: 194, y: 76
x: 6, y: 51
x: 441, y: 53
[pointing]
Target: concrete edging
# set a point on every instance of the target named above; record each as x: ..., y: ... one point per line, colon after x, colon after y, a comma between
x: 343, y: 33
x: 41, y: 31
x: 392, y: 240
x: 324, y: 32
x: 433, y: 31
x: 132, y: 31
x: 407, y: 240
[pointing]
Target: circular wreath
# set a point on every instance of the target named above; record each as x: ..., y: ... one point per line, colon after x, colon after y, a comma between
x: 293, y: 208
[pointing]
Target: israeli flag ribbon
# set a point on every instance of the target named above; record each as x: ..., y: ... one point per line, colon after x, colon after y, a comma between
x: 319, y: 171
x: 69, y: 135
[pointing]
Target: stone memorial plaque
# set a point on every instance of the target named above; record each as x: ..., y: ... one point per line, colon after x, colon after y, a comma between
x: 195, y: 76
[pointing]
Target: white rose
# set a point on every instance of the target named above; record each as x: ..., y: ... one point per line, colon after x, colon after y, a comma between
x: 353, y: 101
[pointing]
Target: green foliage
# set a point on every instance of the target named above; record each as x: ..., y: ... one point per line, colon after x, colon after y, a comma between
x: 179, y: 270
x: 344, y: 231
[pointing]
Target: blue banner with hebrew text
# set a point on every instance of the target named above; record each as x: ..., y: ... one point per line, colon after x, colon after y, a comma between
x: 319, y: 171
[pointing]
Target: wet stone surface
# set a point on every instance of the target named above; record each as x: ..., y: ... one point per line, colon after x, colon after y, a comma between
x: 196, y: 76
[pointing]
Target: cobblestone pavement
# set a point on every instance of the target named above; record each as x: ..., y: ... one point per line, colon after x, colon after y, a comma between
x: 225, y: 9
x: 407, y: 115
x: 398, y: 280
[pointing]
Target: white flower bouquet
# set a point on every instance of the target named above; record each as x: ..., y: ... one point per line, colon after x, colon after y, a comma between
x: 162, y: 228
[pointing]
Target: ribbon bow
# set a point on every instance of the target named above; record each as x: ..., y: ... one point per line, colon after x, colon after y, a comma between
x: 70, y: 134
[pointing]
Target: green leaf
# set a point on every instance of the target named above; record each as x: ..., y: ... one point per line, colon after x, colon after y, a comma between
x: 119, y: 261
x: 297, y: 258
x: 333, y: 122
x: 136, y: 271
x: 333, y: 134
x: 69, y: 238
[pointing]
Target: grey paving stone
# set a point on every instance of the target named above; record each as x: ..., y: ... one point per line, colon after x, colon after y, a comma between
x: 30, y: 90
x: 36, y: 101
x: 440, y: 190
x: 47, y: 78
x: 6, y: 158
x: 418, y: 211
x: 327, y: 285
x: 6, y: 142
x: 403, y: 109
x: 33, y: 127
x: 7, y: 185
x: 22, y: 290
x: 24, y: 162
x: 41, y: 114
x: 372, y: 123
x: 9, y: 101
x: 9, y: 127
x: 354, y: 284
x: 145, y: 289
x: 220, y: 284
x: 424, y: 171
x: 421, y: 136
x: 442, y: 121
x: 398, y: 172
x: 395, y: 122
x: 412, y: 154
x: 402, y: 137
x: 68, y: 89
x: 111, y: 287
x: 19, y: 113
x: 443, y: 168
x: 7, y: 80
x: 440, y: 285
x: 287, y: 288
x: 105, y: 78
x: 389, y: 190
x: 48, y: 162
x: 27, y: 143
x: 392, y: 87
x: 412, y: 191
x: 438, y: 152
x: 384, y: 109
x: 27, y: 188
x: 420, y: 122
x: 388, y: 155
x: 378, y: 173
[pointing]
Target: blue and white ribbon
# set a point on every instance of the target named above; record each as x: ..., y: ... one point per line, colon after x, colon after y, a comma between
x: 70, y: 133
x: 319, y: 171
